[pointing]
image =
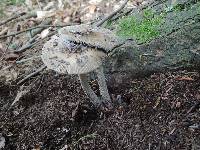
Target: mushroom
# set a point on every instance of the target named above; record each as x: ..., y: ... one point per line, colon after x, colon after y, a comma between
x: 80, y: 49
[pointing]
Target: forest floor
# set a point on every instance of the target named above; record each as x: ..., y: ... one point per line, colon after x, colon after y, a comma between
x: 51, y: 111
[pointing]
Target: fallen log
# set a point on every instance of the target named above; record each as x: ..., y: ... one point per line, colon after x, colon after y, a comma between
x: 176, y: 47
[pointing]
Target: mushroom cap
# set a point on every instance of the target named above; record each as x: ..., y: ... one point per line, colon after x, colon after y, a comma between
x: 93, y: 36
x: 64, y: 56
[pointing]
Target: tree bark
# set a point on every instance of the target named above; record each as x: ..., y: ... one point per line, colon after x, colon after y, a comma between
x: 177, y: 47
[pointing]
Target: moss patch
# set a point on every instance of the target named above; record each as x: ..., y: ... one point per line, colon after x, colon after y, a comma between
x: 143, y: 29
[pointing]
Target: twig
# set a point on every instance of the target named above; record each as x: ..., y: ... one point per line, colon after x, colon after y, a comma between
x: 27, y: 59
x: 32, y: 14
x: 12, y: 18
x: 112, y: 14
x: 32, y: 42
x: 28, y: 44
x: 40, y: 26
x: 32, y: 74
x: 20, y: 94
x: 39, y: 30
x: 122, y: 14
x: 25, y: 47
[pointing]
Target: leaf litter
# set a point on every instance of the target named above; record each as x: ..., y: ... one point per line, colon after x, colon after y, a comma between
x: 158, y: 112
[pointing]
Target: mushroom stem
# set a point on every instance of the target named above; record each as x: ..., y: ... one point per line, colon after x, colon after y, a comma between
x: 86, y: 87
x: 102, y: 85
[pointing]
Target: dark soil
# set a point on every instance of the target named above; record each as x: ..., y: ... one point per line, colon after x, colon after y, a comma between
x: 159, y: 112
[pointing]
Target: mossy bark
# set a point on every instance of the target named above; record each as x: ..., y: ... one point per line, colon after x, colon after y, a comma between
x: 177, y: 46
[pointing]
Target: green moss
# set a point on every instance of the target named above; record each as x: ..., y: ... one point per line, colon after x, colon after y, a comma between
x: 142, y: 29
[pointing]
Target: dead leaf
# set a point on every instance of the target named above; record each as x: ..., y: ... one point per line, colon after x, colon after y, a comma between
x: 20, y: 94
x: 92, y: 9
x: 4, y: 31
x: 11, y: 57
x: 44, y: 33
x: 67, y: 19
x: 37, y: 147
x: 157, y: 103
x: 45, y: 14
x: 184, y: 79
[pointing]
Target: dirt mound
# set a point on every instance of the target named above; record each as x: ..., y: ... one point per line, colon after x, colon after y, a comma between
x: 158, y: 112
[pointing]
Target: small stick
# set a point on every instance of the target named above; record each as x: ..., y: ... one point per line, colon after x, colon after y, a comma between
x: 112, y: 14
x: 25, y: 47
x: 27, y: 59
x: 32, y: 42
x: 29, y: 15
x: 32, y: 74
x: 121, y: 14
x: 12, y: 18
x: 29, y: 44
x: 32, y: 28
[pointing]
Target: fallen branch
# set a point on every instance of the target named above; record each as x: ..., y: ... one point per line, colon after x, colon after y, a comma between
x: 112, y: 14
x: 32, y: 28
x: 32, y: 74
x: 12, y: 18
x: 27, y: 59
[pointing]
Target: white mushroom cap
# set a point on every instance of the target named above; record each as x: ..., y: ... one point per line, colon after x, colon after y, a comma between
x: 94, y: 36
x: 57, y: 55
